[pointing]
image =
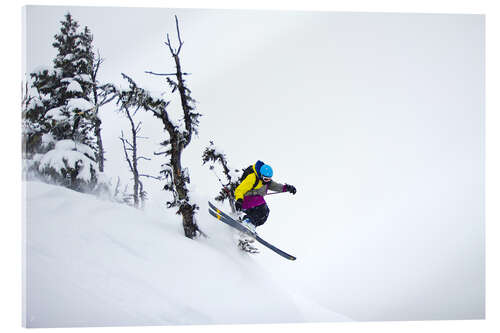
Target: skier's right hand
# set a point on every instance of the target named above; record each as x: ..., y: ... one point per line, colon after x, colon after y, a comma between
x: 238, y: 204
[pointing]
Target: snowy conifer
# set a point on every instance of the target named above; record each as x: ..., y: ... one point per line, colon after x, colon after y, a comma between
x: 62, y: 107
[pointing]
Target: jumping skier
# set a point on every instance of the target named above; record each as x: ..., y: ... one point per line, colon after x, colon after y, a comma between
x: 249, y: 195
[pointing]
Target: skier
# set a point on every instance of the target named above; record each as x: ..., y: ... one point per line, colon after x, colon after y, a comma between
x: 249, y: 195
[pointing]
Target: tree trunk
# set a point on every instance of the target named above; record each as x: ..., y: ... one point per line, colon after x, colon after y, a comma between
x: 185, y: 209
x: 190, y: 227
x: 178, y: 141
x: 184, y: 102
x: 100, y: 148
x: 134, y: 165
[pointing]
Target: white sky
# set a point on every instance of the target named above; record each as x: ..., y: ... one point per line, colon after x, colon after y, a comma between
x: 376, y: 118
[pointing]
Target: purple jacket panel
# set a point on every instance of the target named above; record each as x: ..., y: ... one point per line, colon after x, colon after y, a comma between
x: 251, y: 201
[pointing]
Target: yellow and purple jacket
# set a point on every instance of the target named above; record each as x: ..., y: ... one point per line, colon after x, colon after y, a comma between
x: 252, y: 189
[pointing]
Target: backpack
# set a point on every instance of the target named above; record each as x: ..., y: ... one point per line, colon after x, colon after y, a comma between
x: 246, y: 172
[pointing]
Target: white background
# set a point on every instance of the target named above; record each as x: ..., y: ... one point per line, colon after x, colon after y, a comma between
x: 491, y: 119
x: 376, y: 118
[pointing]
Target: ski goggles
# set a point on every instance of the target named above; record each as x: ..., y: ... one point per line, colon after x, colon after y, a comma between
x: 266, y: 179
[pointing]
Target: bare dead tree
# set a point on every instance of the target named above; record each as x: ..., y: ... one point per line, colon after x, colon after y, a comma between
x: 131, y: 101
x: 180, y: 135
x: 132, y: 163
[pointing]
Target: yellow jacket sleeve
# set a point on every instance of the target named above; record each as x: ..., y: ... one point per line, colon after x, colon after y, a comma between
x: 245, y: 186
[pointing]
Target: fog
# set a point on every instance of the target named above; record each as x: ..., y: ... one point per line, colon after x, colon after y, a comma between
x: 377, y: 119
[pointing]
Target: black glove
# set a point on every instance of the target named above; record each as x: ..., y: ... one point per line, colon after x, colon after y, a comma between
x: 238, y: 204
x: 290, y: 188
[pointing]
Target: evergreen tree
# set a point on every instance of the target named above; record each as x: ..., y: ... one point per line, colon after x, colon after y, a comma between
x: 74, y: 62
x: 63, y: 107
x: 60, y: 107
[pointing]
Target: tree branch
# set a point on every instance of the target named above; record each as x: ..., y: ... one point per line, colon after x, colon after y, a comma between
x: 149, y: 176
x: 98, y: 63
x: 126, y: 153
x: 172, y: 51
x: 162, y: 153
x: 131, y: 146
x: 178, y: 35
x: 138, y: 107
x: 165, y: 74
x: 138, y: 128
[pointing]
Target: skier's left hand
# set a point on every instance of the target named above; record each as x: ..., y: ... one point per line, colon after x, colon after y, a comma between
x: 290, y: 188
x: 238, y: 205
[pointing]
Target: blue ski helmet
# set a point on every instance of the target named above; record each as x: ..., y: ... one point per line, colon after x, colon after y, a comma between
x: 266, y: 171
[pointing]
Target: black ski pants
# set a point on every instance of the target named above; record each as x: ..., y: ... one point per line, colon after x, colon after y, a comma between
x: 258, y: 215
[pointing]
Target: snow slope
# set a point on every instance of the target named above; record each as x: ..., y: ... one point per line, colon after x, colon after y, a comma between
x: 96, y: 263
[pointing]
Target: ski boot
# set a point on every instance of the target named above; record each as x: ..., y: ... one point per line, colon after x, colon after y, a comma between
x: 249, y: 225
x: 245, y: 241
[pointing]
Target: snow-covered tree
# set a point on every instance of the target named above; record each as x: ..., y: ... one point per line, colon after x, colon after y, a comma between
x: 63, y: 104
x: 214, y: 156
x: 71, y: 165
x: 78, y: 61
x: 70, y: 93
x: 180, y: 135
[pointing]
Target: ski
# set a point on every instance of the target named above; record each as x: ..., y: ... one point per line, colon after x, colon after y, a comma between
x: 223, y: 217
x: 230, y: 221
